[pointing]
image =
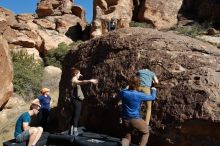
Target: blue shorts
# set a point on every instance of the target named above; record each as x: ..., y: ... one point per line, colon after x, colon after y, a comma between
x: 24, y: 136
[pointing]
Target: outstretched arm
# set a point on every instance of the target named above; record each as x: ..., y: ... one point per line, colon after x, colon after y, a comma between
x: 81, y: 82
x: 146, y: 97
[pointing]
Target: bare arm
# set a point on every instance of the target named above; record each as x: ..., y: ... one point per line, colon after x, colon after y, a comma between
x: 81, y: 82
x: 155, y: 80
x: 25, y: 126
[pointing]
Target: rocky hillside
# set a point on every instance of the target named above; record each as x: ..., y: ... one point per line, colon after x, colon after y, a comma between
x: 161, y: 14
x: 186, y: 112
x: 188, y: 93
x: 55, y: 22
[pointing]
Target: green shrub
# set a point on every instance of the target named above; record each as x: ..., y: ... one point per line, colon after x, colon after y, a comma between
x: 55, y: 56
x: 27, y: 75
x: 195, y: 29
x: 140, y: 24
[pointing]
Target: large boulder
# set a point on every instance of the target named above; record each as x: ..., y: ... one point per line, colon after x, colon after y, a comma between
x: 53, y: 7
x: 6, y: 87
x: 64, y: 25
x: 205, y: 10
x: 105, y: 10
x: 186, y: 111
x: 80, y: 12
x: 7, y: 18
x: 51, y: 79
x: 8, y: 15
x: 161, y: 14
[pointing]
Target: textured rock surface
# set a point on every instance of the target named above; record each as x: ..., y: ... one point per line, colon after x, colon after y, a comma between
x: 42, y: 34
x: 187, y: 108
x: 79, y: 12
x: 51, y: 76
x: 6, y: 87
x: 54, y: 7
x: 205, y: 10
x: 161, y: 14
x: 105, y: 10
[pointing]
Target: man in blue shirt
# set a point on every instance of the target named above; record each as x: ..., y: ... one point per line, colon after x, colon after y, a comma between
x: 23, y: 131
x: 147, y: 77
x: 131, y: 106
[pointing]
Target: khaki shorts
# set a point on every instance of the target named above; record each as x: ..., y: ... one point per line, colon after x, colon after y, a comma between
x: 146, y: 90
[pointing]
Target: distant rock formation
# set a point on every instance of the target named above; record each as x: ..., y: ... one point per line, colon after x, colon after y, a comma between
x: 105, y: 10
x: 54, y: 7
x: 45, y: 30
x: 36, y: 34
x: 186, y: 111
x: 203, y: 10
x: 6, y: 87
x: 161, y: 14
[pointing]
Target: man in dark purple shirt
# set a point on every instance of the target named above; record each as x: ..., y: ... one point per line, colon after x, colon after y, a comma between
x: 44, y: 100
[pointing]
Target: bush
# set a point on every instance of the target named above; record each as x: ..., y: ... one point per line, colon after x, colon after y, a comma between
x: 140, y: 24
x: 194, y: 30
x: 55, y: 56
x: 27, y: 75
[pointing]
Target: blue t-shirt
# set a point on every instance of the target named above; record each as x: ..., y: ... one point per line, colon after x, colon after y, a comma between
x: 146, y: 77
x: 25, y: 117
x: 131, y: 102
x: 45, y: 102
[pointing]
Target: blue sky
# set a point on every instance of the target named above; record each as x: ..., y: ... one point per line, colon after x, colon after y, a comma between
x: 29, y: 6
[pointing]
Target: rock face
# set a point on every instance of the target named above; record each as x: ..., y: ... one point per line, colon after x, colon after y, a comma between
x: 6, y: 87
x: 105, y: 10
x: 186, y: 111
x: 51, y: 79
x: 161, y: 14
x: 35, y: 35
x: 54, y: 7
x: 26, y: 31
x: 205, y: 10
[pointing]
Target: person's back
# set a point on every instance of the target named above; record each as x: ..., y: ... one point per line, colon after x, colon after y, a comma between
x: 146, y: 77
x: 25, y: 117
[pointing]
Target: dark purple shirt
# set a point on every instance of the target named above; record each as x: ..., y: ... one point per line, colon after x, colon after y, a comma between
x: 45, y: 102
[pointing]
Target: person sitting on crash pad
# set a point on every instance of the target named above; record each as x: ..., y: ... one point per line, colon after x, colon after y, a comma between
x: 24, y: 132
